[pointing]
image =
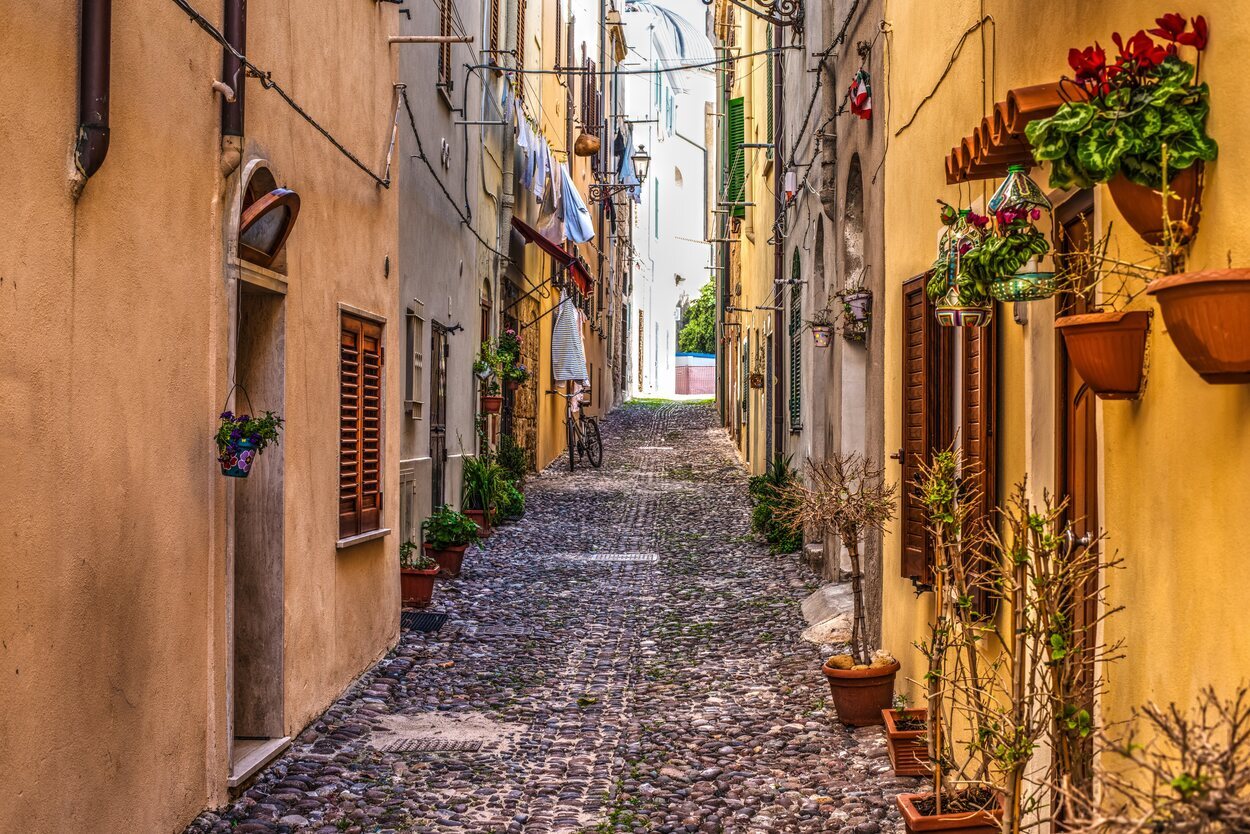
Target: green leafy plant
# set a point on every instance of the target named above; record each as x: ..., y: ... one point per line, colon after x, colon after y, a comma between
x: 697, y: 332
x: 965, y: 230
x: 447, y: 528
x: 512, y: 502
x: 260, y: 431
x: 413, y: 557
x: 1147, y: 99
x: 768, y: 496
x: 513, y: 458
x: 484, y: 481
x: 1000, y: 255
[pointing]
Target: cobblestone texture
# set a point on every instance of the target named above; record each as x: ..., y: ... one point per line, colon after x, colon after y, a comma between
x: 669, y: 696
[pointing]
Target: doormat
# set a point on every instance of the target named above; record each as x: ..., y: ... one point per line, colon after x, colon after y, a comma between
x: 421, y: 621
x: 609, y: 557
x: 431, y: 745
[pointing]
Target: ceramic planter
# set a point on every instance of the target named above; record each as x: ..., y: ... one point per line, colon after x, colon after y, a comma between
x: 1109, y: 351
x: 491, y: 403
x: 859, y: 306
x: 822, y: 334
x: 1142, y: 207
x: 950, y: 315
x: 236, y: 461
x: 859, y: 695
x: 1208, y: 317
x: 1028, y: 284
x: 417, y: 586
x: 967, y: 822
x: 483, y: 526
x: 909, y: 749
x: 449, y: 559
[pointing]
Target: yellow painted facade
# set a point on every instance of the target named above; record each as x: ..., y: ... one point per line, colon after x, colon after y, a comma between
x: 1173, y: 466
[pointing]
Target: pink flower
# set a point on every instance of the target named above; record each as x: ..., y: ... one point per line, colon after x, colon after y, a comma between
x: 1036, y: 214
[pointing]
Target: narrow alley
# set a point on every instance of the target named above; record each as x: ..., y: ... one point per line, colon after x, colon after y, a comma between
x: 624, y: 658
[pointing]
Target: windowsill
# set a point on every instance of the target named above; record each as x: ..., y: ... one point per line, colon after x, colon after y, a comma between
x: 352, y: 541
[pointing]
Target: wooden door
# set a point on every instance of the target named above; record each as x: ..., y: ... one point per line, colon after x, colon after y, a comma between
x: 438, y: 416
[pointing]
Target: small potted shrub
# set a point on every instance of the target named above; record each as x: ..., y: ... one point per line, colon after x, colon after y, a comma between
x: 416, y: 575
x: 847, y: 496
x: 445, y: 536
x: 241, y: 438
x: 1123, y: 114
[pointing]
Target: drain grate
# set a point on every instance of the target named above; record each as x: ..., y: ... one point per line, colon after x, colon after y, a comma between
x: 421, y: 621
x: 431, y: 745
x: 610, y: 557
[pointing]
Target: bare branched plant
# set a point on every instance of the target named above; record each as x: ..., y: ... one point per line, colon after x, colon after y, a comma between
x: 1191, y: 775
x: 845, y: 495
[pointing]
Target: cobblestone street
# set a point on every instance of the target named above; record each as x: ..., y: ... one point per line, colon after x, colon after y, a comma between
x: 625, y: 658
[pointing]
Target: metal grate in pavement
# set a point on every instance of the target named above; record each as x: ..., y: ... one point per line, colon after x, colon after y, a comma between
x: 421, y: 621
x: 609, y: 557
x: 431, y: 745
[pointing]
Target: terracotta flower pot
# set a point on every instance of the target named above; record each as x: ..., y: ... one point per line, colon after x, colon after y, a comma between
x: 859, y: 695
x: 909, y: 749
x: 483, y: 526
x: 964, y: 822
x: 417, y: 586
x: 1109, y: 351
x: 1208, y: 317
x: 1142, y: 207
x: 491, y: 403
x: 449, y: 560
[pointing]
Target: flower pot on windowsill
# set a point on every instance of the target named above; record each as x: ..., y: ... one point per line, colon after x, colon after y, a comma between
x: 1207, y: 314
x: 953, y: 822
x: 450, y: 559
x: 417, y: 586
x: 1109, y: 350
x: 236, y: 461
x: 1142, y: 207
x: 479, y: 517
x: 491, y: 403
x: 908, y: 744
x: 822, y: 334
x: 859, y: 695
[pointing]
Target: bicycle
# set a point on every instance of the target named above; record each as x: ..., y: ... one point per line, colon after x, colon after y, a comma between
x: 582, y: 432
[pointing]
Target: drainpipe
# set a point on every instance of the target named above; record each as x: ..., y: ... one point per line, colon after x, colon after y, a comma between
x: 780, y: 436
x: 94, y: 59
x: 234, y: 27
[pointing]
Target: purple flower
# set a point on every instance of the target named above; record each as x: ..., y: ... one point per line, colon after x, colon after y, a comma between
x: 227, y: 415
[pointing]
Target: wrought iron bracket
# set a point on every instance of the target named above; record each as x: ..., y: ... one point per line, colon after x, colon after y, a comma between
x: 777, y: 12
x: 604, y: 191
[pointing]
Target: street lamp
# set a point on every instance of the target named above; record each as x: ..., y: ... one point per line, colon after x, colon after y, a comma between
x: 642, y: 161
x: 606, y: 190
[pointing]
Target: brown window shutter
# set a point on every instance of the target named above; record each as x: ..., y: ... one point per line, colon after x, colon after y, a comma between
x: 360, y: 426
x: 979, y: 433
x: 559, y: 51
x: 927, y: 359
x: 494, y: 33
x: 520, y: 47
x: 444, y: 49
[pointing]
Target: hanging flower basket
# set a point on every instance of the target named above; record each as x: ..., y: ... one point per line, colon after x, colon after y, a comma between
x: 491, y: 403
x: 1025, y: 286
x: 858, y: 306
x: 237, y: 458
x: 958, y: 302
x: 240, y: 438
x: 951, y: 313
x: 1142, y: 207
x: 1208, y: 317
x: 822, y: 334
x: 1109, y: 351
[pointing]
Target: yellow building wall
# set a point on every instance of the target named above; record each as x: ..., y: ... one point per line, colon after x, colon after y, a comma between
x: 114, y: 325
x: 1173, y: 465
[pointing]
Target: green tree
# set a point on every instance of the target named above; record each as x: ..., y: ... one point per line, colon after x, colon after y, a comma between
x: 698, y: 323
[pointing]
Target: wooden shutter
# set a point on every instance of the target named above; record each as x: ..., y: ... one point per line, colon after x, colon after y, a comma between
x: 360, y: 426
x: 559, y: 35
x: 444, y: 49
x: 927, y: 359
x: 735, y: 191
x: 796, y: 348
x: 520, y: 46
x: 494, y: 33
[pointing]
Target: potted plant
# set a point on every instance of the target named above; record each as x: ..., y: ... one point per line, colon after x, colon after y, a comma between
x: 822, y: 327
x: 445, y: 535
x: 1207, y: 314
x: 906, y: 738
x: 856, y: 312
x: 514, y: 460
x: 511, y: 503
x: 416, y: 575
x: 515, y: 376
x: 1122, y: 116
x: 961, y: 298
x: 1108, y: 349
x: 1008, y: 260
x: 241, y: 438
x: 483, y: 480
x: 846, y: 496
x: 489, y: 369
x: 769, y: 504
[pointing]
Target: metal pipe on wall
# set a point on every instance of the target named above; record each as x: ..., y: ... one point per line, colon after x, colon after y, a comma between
x: 234, y: 20
x: 94, y: 62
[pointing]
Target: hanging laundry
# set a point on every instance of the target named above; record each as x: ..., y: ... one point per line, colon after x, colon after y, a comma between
x: 568, y: 354
x: 577, y: 223
x: 791, y: 186
x: 541, y: 161
x: 861, y: 95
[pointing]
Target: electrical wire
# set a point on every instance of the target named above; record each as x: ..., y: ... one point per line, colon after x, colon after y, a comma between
x: 945, y: 72
x: 267, y: 82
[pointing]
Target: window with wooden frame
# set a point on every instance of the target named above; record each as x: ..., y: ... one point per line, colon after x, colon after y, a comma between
x: 492, y: 9
x: 590, y: 97
x: 360, y: 426
x: 414, y: 376
x: 444, y: 49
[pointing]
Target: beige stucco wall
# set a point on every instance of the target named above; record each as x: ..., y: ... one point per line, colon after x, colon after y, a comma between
x: 1172, y: 465
x: 115, y: 330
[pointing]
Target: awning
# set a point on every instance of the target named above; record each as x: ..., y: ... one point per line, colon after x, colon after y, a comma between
x: 999, y: 141
x: 581, y: 275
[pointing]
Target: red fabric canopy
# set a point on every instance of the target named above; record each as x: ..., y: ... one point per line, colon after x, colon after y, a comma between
x: 576, y: 268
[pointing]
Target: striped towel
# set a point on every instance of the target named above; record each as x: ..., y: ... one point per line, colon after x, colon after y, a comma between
x: 568, y: 356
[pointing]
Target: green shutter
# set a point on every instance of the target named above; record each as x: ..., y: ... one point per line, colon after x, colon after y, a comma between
x: 735, y: 191
x: 796, y: 347
x: 771, y: 83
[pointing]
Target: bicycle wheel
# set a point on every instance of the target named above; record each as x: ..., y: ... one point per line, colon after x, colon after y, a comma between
x: 594, y: 443
x: 571, y: 431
